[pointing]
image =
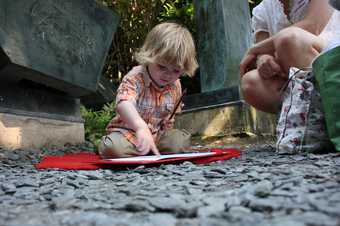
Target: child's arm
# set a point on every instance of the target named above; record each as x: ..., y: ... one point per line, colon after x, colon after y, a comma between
x: 130, y: 116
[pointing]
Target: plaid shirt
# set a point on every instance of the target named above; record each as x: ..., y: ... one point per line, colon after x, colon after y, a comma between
x: 153, y: 104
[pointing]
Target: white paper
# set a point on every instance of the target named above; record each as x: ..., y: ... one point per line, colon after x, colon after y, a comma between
x: 156, y: 158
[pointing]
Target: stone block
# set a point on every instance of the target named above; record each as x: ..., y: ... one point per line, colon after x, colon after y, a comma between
x: 106, y: 93
x: 4, y: 60
x: 61, y: 44
x: 227, y: 119
x: 25, y: 132
x: 211, y: 98
x: 33, y: 116
x: 31, y: 99
x: 224, y: 35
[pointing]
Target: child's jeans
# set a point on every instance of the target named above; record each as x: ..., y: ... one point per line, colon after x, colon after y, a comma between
x: 173, y: 140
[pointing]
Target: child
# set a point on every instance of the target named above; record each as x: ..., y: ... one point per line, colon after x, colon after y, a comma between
x: 149, y: 94
x: 315, y: 24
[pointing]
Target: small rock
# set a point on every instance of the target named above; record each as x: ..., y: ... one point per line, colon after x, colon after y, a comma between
x: 263, y: 188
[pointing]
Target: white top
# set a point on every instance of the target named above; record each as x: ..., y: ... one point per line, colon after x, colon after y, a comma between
x: 269, y: 16
x: 331, y: 33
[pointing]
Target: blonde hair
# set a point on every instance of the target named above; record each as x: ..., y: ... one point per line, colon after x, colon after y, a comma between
x: 169, y: 43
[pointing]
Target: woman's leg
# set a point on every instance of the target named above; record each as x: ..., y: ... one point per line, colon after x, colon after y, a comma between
x: 296, y: 47
x: 262, y: 94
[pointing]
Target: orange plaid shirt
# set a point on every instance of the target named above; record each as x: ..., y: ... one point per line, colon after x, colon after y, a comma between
x: 153, y: 104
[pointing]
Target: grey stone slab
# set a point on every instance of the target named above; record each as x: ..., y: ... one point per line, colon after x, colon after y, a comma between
x: 4, y: 60
x: 222, y: 41
x: 31, y: 99
x: 62, y: 44
x: 104, y: 94
x: 211, y: 99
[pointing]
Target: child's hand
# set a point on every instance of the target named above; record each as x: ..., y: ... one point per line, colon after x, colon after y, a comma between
x: 146, y: 142
x: 129, y: 114
x: 268, y: 67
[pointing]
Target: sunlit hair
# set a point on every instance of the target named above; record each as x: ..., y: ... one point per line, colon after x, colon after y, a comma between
x: 169, y: 43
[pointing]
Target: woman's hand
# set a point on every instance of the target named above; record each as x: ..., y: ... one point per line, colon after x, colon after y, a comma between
x: 264, y: 47
x: 268, y: 67
x: 246, y: 62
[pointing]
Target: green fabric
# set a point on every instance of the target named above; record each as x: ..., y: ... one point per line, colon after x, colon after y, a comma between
x: 326, y: 69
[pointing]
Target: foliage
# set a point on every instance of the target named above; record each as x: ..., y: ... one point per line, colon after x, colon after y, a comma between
x: 137, y: 17
x: 96, y: 121
x: 181, y: 11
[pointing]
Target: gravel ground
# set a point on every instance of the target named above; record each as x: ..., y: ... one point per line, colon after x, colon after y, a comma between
x: 259, y: 188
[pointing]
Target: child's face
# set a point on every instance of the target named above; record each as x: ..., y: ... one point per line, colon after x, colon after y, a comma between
x: 164, y: 74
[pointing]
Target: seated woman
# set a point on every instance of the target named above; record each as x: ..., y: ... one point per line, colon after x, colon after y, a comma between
x: 286, y: 36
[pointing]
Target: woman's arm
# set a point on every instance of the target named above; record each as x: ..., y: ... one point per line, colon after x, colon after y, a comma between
x: 260, y: 36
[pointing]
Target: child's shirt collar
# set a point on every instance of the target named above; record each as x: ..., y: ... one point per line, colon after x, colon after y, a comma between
x: 148, y: 81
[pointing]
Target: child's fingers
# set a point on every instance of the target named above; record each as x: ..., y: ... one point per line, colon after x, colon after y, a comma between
x: 142, y: 147
x: 155, y: 150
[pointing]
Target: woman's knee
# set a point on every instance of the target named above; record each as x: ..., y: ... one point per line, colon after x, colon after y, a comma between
x: 262, y: 94
x: 296, y: 47
x: 248, y: 87
x: 288, y: 39
x: 248, y: 83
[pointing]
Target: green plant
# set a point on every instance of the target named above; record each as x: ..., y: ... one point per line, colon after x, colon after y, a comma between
x: 181, y: 11
x: 96, y: 121
x: 137, y: 17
